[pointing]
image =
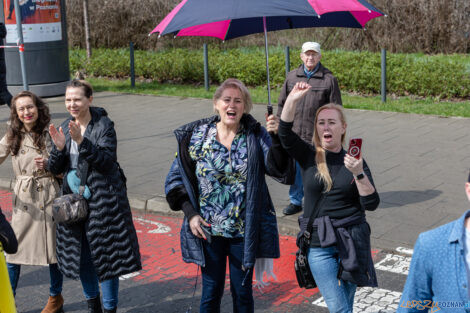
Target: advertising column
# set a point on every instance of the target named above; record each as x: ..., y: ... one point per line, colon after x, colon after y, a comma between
x: 46, y: 51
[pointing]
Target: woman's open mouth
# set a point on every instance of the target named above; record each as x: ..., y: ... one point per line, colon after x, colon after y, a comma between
x: 327, y: 137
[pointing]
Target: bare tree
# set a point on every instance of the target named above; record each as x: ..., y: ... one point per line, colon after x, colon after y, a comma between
x: 87, y: 28
x: 429, y: 26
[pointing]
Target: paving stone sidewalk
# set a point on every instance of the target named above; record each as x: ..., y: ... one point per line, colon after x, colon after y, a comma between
x: 419, y: 163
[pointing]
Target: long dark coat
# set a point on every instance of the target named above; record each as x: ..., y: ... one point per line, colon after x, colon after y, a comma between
x: 109, y: 228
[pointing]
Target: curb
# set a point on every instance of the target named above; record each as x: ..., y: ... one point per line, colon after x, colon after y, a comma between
x: 6, y: 183
x: 157, y: 204
x: 153, y: 204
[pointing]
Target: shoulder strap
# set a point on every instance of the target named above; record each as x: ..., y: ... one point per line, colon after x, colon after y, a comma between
x: 314, y: 215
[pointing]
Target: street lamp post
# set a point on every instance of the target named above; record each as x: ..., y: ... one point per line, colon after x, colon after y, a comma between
x: 21, y: 44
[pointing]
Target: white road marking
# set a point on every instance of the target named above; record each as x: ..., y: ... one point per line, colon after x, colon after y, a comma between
x: 371, y: 300
x: 405, y: 251
x: 394, y: 263
x: 130, y: 275
x: 161, y: 228
x: 377, y: 300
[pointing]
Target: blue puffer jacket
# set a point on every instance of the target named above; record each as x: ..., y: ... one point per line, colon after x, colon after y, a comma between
x: 265, y: 156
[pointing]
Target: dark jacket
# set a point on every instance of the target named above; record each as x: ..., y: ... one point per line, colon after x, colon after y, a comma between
x: 265, y: 156
x: 354, y: 250
x: 324, y: 90
x: 109, y: 228
x: 7, y: 236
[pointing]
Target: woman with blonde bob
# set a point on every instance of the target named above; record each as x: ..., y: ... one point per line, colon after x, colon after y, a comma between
x: 218, y: 181
x: 338, y: 190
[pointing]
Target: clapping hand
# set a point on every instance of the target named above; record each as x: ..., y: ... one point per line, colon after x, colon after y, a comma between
x: 57, y: 137
x: 75, y: 132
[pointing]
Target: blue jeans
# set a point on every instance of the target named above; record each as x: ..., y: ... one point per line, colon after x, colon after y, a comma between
x: 90, y: 283
x: 296, y: 191
x: 213, y: 276
x: 56, y: 277
x: 324, y: 264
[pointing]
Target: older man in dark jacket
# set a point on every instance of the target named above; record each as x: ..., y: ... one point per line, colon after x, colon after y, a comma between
x: 324, y: 90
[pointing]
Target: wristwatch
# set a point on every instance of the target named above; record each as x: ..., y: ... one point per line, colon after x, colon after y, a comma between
x: 359, y: 176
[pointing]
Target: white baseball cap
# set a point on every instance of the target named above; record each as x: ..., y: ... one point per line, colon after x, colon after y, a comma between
x: 311, y: 46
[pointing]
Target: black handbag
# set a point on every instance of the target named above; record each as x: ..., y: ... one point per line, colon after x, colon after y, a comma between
x: 302, y: 271
x: 302, y: 268
x: 72, y: 208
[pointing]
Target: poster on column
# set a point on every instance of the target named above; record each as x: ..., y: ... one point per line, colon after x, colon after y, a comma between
x: 41, y: 20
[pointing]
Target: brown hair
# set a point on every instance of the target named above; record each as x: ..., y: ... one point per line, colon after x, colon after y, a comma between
x: 320, y: 159
x: 235, y: 83
x: 14, y: 133
x: 77, y: 83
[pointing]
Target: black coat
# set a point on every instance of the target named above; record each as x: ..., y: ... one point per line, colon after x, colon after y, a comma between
x: 7, y: 236
x: 109, y: 228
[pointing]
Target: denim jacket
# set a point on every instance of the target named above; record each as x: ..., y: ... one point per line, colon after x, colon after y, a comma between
x: 437, y: 271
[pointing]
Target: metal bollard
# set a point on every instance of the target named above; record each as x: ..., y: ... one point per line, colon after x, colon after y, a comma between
x: 384, y: 75
x: 206, y: 68
x: 131, y: 50
x: 287, y: 60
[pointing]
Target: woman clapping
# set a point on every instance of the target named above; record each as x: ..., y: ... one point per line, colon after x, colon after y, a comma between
x: 104, y: 246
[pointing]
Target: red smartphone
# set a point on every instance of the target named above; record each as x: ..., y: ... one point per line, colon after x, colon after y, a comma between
x: 354, y: 149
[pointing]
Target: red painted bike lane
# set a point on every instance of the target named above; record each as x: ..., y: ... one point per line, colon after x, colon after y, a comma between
x: 161, y: 258
x: 161, y: 254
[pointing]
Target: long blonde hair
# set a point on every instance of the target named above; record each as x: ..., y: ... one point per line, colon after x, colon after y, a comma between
x: 320, y: 159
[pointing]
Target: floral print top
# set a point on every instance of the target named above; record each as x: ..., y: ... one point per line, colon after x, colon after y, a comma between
x: 221, y: 176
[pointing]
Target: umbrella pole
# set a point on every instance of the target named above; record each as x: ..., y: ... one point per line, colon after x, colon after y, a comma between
x: 270, y: 107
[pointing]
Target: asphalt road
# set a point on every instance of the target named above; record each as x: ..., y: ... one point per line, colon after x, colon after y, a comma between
x: 167, y: 284
x: 419, y: 164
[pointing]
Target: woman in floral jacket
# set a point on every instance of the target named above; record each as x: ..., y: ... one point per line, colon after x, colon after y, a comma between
x: 218, y: 181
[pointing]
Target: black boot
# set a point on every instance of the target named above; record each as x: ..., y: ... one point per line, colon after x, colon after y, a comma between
x: 94, y: 305
x: 110, y: 311
x: 292, y: 209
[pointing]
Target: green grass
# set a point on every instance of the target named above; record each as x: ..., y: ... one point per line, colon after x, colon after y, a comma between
x: 402, y: 104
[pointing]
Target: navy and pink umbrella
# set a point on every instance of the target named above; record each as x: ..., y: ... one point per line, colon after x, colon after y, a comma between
x: 228, y: 19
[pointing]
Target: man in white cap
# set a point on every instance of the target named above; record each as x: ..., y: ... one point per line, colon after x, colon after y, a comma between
x: 324, y: 90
